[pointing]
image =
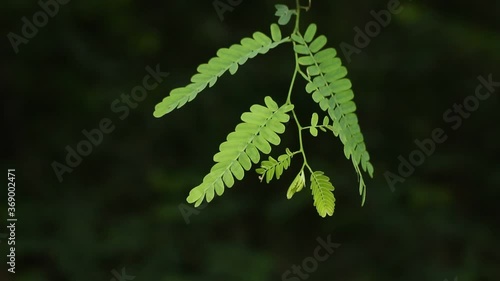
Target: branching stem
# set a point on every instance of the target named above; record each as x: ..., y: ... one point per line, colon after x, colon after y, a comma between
x: 292, y: 83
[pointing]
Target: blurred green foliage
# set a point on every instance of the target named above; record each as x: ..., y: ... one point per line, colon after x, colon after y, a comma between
x: 120, y: 207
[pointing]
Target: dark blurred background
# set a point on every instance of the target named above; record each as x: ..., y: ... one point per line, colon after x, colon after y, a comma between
x: 119, y: 209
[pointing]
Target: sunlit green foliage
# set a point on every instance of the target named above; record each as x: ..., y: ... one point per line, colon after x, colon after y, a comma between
x: 329, y: 87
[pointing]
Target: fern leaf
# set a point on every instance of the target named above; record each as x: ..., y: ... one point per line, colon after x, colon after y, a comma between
x: 228, y: 59
x: 332, y: 91
x: 269, y: 168
x: 322, y: 191
x: 242, y: 147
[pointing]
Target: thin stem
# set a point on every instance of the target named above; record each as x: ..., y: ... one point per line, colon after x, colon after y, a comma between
x: 308, y: 6
x: 292, y: 83
x: 290, y: 90
x: 317, y: 126
x: 297, y: 19
x: 304, y: 75
x: 301, y: 142
x: 289, y: 97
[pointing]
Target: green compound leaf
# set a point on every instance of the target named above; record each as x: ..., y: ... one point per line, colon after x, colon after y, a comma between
x: 271, y: 167
x: 326, y: 121
x: 322, y: 191
x: 332, y: 91
x: 310, y: 32
x: 314, y: 122
x: 318, y: 44
x: 284, y: 13
x: 314, y: 119
x: 297, y: 184
x: 275, y: 32
x: 228, y: 59
x: 241, y: 147
x: 313, y: 131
